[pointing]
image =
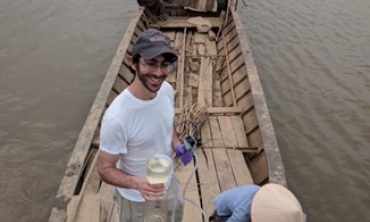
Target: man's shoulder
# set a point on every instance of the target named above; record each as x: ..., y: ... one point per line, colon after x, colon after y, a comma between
x: 166, y: 86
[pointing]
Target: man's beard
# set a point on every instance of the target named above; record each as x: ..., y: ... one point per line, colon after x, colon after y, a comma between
x: 144, y: 80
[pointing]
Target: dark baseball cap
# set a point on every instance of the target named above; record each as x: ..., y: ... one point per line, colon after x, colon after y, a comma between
x: 152, y: 43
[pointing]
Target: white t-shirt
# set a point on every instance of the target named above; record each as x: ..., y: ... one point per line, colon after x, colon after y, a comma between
x: 136, y: 129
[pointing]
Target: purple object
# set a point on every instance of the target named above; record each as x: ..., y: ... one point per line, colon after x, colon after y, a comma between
x: 186, y: 155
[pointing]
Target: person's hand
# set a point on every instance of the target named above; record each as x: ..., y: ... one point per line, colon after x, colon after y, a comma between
x: 150, y: 192
x: 185, y: 155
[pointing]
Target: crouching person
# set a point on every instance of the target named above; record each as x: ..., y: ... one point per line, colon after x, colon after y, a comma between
x: 252, y: 203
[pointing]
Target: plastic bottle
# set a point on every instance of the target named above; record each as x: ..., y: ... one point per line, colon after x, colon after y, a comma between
x: 156, y: 211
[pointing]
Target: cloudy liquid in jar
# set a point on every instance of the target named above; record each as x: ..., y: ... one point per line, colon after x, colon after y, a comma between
x: 158, y: 169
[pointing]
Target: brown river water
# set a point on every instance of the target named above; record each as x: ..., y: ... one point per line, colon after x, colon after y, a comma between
x: 313, y: 58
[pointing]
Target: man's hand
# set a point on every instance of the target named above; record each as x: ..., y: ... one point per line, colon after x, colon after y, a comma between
x: 150, y: 192
x: 185, y: 155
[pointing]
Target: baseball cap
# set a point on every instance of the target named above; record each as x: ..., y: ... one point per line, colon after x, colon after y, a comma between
x: 152, y: 43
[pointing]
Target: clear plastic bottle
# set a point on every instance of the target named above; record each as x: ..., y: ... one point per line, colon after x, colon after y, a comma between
x: 157, y: 171
x: 156, y: 211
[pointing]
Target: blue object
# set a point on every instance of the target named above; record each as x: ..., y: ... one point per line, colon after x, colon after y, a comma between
x: 236, y: 203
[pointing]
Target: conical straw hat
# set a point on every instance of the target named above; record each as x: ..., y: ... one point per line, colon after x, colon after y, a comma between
x: 275, y: 203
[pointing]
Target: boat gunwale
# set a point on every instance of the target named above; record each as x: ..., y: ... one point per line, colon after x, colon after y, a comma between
x: 76, y: 162
x: 276, y: 171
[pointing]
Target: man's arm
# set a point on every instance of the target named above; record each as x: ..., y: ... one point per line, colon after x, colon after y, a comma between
x: 240, y: 214
x: 110, y: 174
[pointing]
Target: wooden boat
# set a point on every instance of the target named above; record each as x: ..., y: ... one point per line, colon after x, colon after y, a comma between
x: 215, y: 68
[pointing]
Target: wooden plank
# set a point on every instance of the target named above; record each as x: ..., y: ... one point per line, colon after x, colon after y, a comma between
x: 57, y: 215
x: 229, y: 25
x: 198, y: 38
x: 211, y: 49
x: 120, y: 85
x: 107, y: 202
x: 96, y: 140
x: 200, y: 5
x: 180, y: 69
x: 218, y: 110
x: 217, y: 96
x: 227, y: 131
x: 181, y: 22
x: 233, y: 48
x: 259, y: 168
x: 201, y: 50
x: 171, y: 78
x: 89, y: 209
x: 228, y: 99
x: 250, y: 121
x: 208, y: 82
x: 177, y: 48
x: 241, y: 90
x: 246, y: 102
x: 205, y: 82
x: 240, y: 75
x: 239, y: 167
x: 236, y: 63
x: 188, y: 96
x: 240, y: 134
x: 85, y: 190
x: 215, y: 132
x: 141, y: 24
x: 221, y: 47
x: 191, y: 213
x: 92, y: 179
x: 171, y: 34
x: 200, y: 95
x: 207, y: 179
x: 192, y: 80
x: 231, y: 83
x: 249, y: 149
x: 225, y: 174
x: 111, y: 97
x: 193, y: 46
x: 232, y: 41
x: 255, y: 139
x: 189, y: 49
x: 205, y: 132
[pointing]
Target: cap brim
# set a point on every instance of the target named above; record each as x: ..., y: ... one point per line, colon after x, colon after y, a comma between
x: 274, y: 202
x: 156, y: 51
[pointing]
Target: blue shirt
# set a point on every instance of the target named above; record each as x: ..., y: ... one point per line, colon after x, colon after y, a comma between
x: 236, y: 203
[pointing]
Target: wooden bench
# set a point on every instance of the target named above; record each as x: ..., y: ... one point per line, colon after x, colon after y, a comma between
x: 181, y: 22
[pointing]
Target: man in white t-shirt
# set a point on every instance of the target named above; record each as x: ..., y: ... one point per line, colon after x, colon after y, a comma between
x: 139, y: 124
